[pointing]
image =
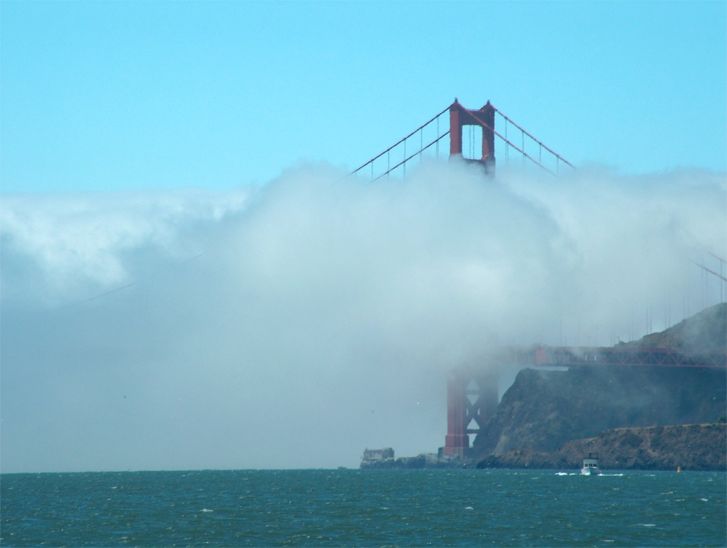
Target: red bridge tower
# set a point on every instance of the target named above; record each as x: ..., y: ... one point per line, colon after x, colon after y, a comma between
x: 485, y: 120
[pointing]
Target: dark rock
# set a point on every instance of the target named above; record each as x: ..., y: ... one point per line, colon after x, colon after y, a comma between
x: 544, y: 409
x: 691, y: 447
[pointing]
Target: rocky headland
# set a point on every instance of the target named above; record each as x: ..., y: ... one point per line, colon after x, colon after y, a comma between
x: 633, y: 417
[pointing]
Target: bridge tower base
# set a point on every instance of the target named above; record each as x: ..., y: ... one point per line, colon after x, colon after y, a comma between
x: 472, y: 399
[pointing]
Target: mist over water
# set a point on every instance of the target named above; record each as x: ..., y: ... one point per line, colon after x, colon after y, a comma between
x: 295, y: 323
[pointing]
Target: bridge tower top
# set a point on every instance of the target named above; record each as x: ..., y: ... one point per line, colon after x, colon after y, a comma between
x: 484, y: 119
x: 415, y: 144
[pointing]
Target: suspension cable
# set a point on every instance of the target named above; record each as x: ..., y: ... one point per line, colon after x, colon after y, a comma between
x: 513, y: 145
x: 526, y: 132
x: 405, y: 160
x: 710, y: 271
x: 432, y: 119
x: 481, y: 122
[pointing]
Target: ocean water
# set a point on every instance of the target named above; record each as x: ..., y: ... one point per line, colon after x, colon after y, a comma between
x: 375, y: 507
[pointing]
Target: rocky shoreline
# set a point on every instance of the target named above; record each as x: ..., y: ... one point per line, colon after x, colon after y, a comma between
x: 384, y: 459
x: 688, y: 446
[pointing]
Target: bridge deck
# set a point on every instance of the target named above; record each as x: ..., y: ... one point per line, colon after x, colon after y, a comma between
x: 629, y: 357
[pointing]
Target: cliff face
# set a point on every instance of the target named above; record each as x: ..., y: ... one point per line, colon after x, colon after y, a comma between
x: 543, y: 410
x: 692, y: 447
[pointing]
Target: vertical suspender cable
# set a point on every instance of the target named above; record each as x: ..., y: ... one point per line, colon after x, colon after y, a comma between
x: 522, y: 143
x: 403, y: 166
x: 507, y: 146
x: 421, y: 143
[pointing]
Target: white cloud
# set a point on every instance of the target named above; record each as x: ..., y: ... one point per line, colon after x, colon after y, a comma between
x: 79, y: 244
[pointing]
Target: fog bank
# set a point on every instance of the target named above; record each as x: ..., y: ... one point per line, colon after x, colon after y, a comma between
x: 294, y: 324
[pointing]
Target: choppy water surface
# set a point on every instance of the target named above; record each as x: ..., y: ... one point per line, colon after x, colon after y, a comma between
x: 335, y: 507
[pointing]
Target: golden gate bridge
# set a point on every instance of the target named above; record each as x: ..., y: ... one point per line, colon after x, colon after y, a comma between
x: 472, y: 392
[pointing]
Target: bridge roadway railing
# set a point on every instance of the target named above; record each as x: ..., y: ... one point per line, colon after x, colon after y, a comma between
x: 545, y: 356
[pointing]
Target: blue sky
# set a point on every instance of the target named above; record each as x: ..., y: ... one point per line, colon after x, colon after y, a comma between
x: 136, y: 95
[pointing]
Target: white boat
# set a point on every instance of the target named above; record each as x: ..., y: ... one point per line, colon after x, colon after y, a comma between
x: 590, y: 466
